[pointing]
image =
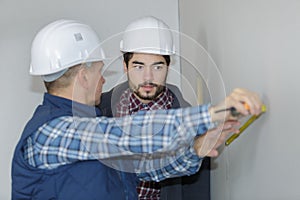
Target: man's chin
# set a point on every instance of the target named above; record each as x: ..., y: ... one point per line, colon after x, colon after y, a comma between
x: 146, y: 96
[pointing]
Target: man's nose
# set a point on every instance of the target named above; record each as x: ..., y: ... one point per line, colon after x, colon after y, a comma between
x: 148, y: 74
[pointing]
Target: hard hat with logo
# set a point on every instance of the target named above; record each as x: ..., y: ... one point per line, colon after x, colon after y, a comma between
x: 61, y: 45
x: 148, y: 35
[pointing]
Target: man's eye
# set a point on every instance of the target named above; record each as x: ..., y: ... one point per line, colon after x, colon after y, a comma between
x: 158, y: 67
x: 138, y: 67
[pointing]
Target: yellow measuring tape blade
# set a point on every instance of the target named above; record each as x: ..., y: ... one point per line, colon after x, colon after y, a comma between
x: 247, y: 123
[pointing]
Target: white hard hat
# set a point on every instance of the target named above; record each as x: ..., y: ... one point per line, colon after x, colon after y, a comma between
x: 61, y: 45
x: 148, y: 35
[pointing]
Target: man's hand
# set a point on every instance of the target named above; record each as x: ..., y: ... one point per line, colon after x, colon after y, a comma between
x: 237, y: 99
x: 207, y: 144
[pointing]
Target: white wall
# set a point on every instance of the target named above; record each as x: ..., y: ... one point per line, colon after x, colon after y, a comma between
x: 256, y: 44
x: 20, y: 21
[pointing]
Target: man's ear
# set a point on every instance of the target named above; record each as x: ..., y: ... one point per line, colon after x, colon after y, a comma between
x: 83, y: 77
x: 125, y: 67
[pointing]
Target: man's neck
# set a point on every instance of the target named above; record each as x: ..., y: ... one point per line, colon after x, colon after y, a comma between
x: 61, y: 94
x: 69, y: 93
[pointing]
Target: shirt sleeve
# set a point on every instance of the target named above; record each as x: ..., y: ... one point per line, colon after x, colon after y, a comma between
x: 160, y: 134
x: 187, y: 163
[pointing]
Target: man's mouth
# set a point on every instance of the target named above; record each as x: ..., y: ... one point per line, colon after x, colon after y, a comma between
x: 147, y: 87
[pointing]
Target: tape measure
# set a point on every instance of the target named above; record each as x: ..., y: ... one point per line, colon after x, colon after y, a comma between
x: 245, y: 125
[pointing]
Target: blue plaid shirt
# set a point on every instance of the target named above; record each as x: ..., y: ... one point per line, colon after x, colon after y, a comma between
x: 142, y: 136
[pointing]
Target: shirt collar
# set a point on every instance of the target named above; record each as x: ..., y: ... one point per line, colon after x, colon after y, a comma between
x: 77, y: 109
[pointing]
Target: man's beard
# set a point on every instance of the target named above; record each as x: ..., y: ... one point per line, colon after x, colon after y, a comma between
x: 148, y: 97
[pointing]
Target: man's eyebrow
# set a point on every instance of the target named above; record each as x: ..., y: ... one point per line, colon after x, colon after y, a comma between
x: 137, y: 62
x: 155, y: 63
x: 159, y: 63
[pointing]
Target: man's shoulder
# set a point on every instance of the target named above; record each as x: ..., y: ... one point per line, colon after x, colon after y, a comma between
x: 110, y: 98
x: 173, y: 89
x: 179, y: 101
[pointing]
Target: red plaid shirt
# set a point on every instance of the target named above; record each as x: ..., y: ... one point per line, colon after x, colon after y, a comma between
x: 130, y: 104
